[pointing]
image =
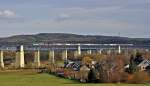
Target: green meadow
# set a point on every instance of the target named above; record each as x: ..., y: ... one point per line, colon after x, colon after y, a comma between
x: 30, y: 78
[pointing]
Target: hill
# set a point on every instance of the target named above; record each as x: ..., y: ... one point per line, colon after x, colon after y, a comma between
x: 70, y: 38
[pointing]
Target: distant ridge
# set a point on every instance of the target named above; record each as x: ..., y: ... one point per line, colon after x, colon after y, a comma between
x: 71, y: 38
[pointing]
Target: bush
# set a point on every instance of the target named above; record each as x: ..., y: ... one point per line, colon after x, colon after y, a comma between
x: 139, y: 78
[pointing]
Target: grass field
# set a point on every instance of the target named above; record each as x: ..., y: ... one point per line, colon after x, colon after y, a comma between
x: 22, y: 78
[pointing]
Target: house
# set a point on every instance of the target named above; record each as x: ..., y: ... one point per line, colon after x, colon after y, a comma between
x: 144, y: 65
x: 74, y: 65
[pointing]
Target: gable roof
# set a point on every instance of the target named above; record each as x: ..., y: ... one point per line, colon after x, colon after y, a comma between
x: 145, y: 63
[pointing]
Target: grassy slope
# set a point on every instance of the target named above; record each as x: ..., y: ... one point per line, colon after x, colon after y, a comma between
x: 32, y: 79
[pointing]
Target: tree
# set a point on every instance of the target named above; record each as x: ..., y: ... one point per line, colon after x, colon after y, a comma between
x: 132, y: 65
x: 87, y: 60
x: 92, y: 75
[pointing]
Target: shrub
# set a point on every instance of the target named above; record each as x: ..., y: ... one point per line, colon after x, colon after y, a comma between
x: 139, y: 78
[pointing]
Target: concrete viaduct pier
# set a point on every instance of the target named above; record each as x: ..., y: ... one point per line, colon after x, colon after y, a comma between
x: 51, y: 55
x: 76, y: 48
x: 20, y: 57
x: 37, y: 58
x: 1, y: 59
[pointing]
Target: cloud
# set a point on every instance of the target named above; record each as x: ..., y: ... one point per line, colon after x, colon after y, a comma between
x: 7, y: 14
x: 80, y: 16
x: 63, y: 14
x: 111, y: 19
x: 62, y: 17
x: 84, y: 25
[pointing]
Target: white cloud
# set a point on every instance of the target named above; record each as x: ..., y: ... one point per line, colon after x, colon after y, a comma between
x: 62, y: 17
x: 89, y: 24
x: 7, y: 14
x: 10, y: 16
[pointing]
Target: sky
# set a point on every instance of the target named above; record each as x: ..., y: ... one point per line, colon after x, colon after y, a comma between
x: 130, y: 18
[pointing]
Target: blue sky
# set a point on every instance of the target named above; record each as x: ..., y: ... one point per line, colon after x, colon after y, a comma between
x: 130, y: 18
